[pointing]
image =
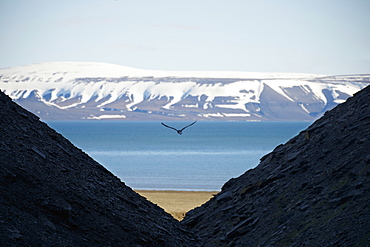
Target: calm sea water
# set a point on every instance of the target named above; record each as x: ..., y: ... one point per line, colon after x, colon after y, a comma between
x: 146, y: 155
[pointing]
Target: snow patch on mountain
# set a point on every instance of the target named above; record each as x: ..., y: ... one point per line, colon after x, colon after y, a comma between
x: 70, y: 70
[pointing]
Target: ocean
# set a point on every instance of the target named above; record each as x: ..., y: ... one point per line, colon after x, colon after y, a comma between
x: 149, y: 156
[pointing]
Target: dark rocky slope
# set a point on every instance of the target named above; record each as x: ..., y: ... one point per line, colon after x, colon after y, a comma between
x: 312, y: 191
x: 53, y: 194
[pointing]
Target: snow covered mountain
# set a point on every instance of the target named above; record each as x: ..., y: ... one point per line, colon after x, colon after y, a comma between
x: 75, y: 91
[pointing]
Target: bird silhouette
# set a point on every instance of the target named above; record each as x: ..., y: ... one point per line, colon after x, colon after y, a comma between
x: 180, y: 130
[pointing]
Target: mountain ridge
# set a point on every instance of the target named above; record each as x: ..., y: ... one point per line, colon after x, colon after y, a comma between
x: 82, y: 91
x: 311, y: 191
x: 54, y: 194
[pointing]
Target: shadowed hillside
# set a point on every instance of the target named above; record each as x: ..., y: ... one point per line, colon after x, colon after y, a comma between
x: 312, y: 191
x: 53, y: 194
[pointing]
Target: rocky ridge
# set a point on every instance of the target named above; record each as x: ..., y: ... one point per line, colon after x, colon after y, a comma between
x: 312, y: 191
x: 53, y: 194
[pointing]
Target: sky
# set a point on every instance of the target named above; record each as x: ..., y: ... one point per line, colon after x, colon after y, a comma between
x: 317, y: 36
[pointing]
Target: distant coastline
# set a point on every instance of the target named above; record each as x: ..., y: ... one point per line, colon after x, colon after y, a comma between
x: 98, y: 91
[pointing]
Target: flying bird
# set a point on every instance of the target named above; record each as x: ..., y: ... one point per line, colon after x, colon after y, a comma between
x: 181, y: 130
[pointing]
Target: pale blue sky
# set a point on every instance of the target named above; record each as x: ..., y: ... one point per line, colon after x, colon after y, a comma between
x: 312, y: 36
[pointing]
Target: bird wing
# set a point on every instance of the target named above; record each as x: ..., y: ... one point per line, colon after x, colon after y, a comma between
x: 168, y: 126
x: 188, y: 125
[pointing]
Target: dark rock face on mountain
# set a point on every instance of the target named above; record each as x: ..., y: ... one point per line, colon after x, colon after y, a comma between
x: 53, y: 194
x: 312, y: 191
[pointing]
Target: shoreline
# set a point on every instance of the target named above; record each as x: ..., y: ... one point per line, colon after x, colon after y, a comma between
x: 177, y: 202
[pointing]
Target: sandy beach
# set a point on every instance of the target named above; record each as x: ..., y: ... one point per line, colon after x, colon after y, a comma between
x: 177, y: 203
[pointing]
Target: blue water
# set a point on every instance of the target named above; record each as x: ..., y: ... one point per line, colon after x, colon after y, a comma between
x: 146, y: 155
